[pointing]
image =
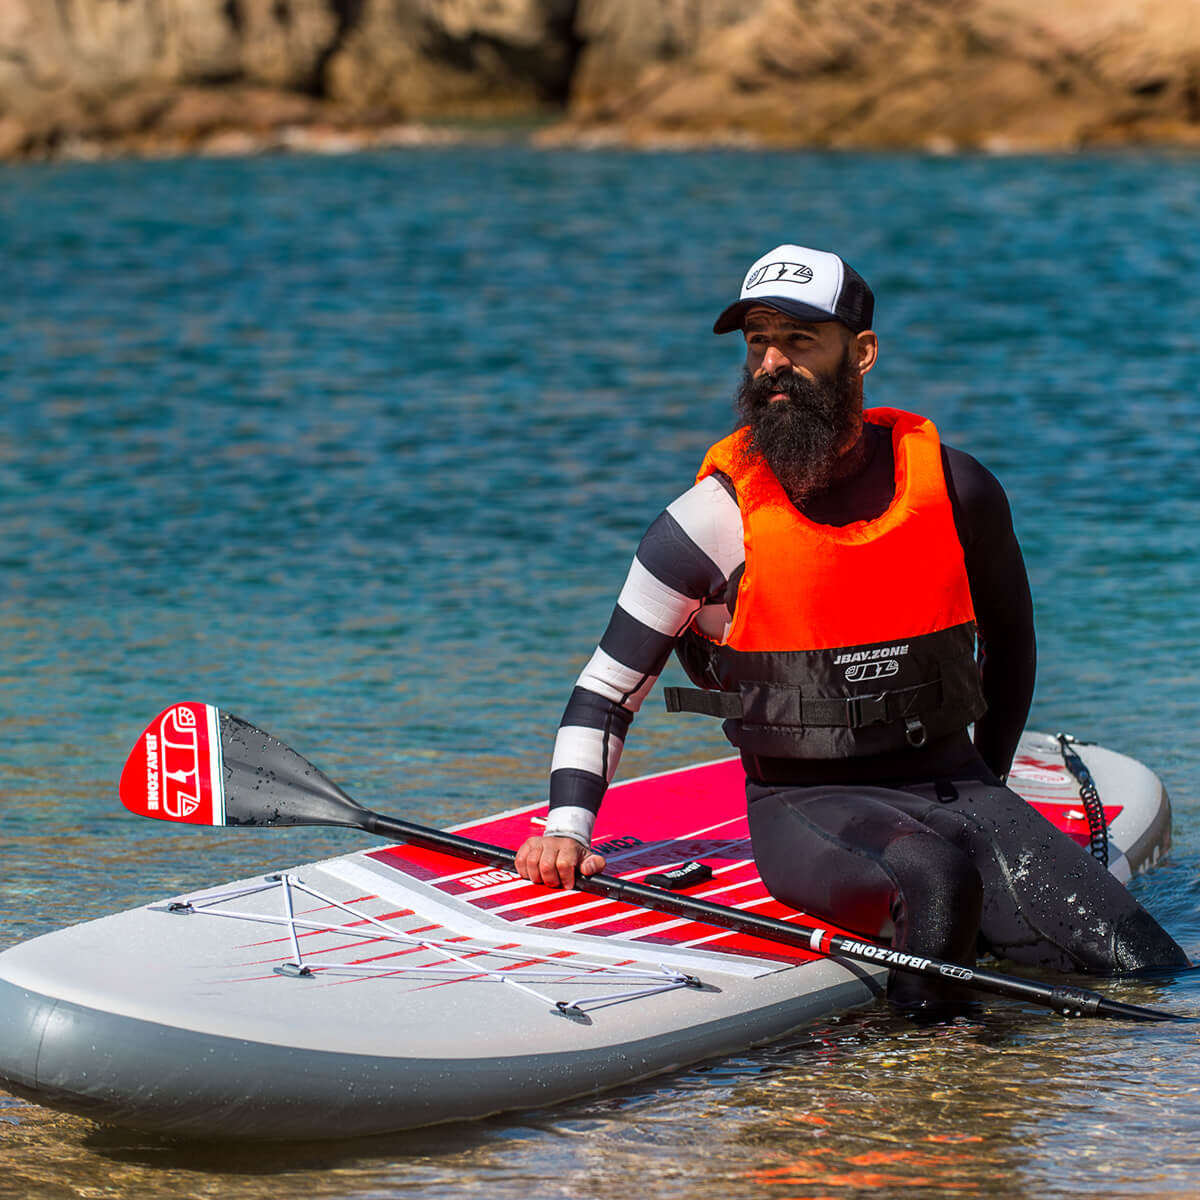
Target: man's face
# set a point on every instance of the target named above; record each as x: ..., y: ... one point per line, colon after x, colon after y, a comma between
x: 801, y: 395
x: 777, y: 343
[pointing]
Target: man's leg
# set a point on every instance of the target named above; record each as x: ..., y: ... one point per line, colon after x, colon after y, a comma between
x: 851, y: 855
x: 1047, y: 901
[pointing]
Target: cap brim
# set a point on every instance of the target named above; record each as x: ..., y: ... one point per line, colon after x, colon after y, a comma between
x: 735, y: 314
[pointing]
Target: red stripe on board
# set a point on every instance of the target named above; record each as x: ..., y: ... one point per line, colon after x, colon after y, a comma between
x: 421, y: 863
x: 340, y: 930
x: 743, y: 945
x: 1076, y: 828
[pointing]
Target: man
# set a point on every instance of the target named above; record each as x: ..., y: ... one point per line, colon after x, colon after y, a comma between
x: 849, y: 595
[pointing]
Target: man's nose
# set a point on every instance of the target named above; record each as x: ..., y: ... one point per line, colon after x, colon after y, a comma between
x: 775, y: 360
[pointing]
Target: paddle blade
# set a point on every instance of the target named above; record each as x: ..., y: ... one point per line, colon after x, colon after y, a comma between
x: 197, y: 765
x: 174, y: 771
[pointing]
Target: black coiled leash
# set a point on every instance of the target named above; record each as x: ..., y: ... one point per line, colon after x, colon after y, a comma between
x: 1093, y: 807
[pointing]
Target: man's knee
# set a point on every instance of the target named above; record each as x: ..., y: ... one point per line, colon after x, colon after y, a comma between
x: 1141, y: 944
x: 939, y: 897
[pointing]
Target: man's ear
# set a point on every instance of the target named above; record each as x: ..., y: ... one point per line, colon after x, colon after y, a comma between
x: 866, y: 350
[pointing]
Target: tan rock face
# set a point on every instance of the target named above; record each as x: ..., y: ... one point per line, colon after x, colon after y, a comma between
x: 101, y: 69
x: 105, y: 45
x: 454, y: 57
x: 285, y: 45
x: 70, y: 66
x: 87, y: 67
x: 939, y: 74
x: 624, y: 39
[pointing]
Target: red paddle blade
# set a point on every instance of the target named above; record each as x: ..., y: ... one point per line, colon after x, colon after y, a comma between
x: 174, y: 771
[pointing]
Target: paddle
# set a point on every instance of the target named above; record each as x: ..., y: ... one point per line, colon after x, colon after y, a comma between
x: 197, y: 765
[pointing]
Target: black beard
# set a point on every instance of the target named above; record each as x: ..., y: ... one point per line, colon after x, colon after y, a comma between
x: 800, y: 436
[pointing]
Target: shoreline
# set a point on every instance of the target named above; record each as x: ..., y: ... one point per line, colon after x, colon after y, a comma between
x: 328, y: 138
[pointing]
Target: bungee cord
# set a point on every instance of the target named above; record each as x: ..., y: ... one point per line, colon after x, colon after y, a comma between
x: 520, y: 967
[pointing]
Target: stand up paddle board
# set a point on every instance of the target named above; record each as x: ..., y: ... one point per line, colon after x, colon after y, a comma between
x: 400, y: 986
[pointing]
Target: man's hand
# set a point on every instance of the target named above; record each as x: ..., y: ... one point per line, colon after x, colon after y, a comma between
x: 555, y: 860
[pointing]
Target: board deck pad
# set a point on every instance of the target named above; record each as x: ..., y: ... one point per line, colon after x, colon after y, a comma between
x: 647, y: 825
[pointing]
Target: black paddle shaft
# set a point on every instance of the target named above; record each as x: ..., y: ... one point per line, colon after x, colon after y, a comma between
x: 1065, y: 999
x: 268, y: 783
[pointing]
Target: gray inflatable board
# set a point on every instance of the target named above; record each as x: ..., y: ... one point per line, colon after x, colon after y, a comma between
x: 392, y: 988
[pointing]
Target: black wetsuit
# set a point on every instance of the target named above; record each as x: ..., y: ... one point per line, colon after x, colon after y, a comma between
x: 923, y: 847
x: 926, y: 847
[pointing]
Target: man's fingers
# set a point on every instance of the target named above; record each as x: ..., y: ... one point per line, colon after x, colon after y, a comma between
x: 592, y: 864
x: 552, y: 866
x: 553, y: 861
x: 526, y: 855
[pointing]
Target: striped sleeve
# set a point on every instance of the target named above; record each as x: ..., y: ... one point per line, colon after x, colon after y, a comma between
x: 683, y: 564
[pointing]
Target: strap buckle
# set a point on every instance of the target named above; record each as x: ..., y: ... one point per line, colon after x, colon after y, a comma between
x: 866, y: 710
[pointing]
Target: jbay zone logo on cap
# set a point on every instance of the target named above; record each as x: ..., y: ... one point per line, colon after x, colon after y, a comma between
x: 777, y: 272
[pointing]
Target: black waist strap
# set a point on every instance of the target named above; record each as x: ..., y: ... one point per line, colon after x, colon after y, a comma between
x: 727, y: 705
x: 771, y: 704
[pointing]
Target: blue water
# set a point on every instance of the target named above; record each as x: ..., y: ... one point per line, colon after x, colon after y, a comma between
x: 360, y: 448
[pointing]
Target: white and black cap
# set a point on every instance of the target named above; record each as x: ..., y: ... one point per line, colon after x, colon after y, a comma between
x: 813, y: 285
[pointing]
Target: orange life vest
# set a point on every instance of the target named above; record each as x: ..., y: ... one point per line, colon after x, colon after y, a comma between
x: 845, y: 640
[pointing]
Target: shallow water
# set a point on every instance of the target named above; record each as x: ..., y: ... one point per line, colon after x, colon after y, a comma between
x: 360, y: 448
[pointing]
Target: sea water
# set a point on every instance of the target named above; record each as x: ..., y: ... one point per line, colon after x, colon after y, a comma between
x: 360, y: 449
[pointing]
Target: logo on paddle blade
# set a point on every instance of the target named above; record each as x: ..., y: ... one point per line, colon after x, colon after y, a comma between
x: 179, y: 757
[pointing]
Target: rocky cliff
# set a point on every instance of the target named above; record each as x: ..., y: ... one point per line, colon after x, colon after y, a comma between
x: 897, y: 73
x: 159, y: 76
x: 81, y: 76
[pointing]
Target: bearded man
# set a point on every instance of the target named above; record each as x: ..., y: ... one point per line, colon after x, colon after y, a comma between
x: 849, y: 595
